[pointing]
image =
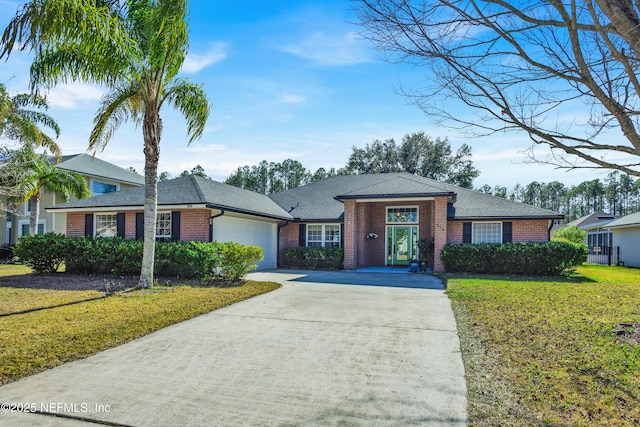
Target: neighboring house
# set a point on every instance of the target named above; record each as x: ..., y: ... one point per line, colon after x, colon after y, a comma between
x: 599, y: 238
x: 341, y: 211
x: 102, y: 178
x: 626, y: 240
x: 189, y: 208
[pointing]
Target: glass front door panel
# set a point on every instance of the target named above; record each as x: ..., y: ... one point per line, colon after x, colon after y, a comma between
x: 402, y: 244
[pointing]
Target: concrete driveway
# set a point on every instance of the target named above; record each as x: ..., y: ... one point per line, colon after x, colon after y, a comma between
x: 325, y: 349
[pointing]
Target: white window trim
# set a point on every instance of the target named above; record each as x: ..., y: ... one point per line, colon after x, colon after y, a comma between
x: 27, y: 222
x: 170, y: 225
x: 91, y: 181
x: 323, y: 241
x: 95, y: 223
x: 386, y: 214
x: 473, y: 224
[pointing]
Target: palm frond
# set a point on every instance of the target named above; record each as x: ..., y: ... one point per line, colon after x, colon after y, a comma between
x: 190, y: 99
x: 123, y: 103
x: 40, y: 24
x: 41, y: 118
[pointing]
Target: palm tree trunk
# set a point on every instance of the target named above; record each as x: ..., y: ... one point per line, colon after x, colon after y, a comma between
x: 152, y: 131
x: 35, y: 214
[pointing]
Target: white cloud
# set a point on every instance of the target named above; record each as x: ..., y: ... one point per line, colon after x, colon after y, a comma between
x: 291, y: 98
x: 69, y: 96
x: 331, y: 50
x: 195, y: 62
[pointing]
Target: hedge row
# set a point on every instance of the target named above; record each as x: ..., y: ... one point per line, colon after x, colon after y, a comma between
x: 329, y: 257
x: 46, y: 253
x: 531, y: 258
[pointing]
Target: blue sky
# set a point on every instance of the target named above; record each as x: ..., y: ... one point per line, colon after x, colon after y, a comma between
x: 287, y: 79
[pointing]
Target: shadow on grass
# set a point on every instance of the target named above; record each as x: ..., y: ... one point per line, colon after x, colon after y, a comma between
x: 31, y: 310
x: 568, y: 278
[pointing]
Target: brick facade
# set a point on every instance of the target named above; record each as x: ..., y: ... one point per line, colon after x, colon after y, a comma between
x: 440, y: 231
x: 194, y: 224
x: 360, y: 219
x: 363, y: 218
x: 350, y: 235
x: 530, y: 230
x: 289, y: 236
x: 75, y: 224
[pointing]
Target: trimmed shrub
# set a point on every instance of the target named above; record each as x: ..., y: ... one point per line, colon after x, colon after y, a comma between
x: 329, y: 257
x: 531, y: 258
x: 123, y: 257
x: 44, y: 252
x: 236, y: 260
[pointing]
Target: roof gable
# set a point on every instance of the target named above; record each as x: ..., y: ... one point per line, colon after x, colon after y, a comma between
x: 321, y: 200
x: 631, y: 220
x: 91, y: 166
x: 189, y: 190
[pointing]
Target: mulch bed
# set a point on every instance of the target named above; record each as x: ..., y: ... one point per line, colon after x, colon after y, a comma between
x: 69, y: 282
x: 81, y: 282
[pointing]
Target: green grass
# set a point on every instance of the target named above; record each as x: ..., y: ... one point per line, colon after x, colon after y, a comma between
x: 541, y: 351
x: 39, y: 340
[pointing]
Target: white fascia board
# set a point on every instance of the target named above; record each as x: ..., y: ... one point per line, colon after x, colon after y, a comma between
x: 125, y: 208
x: 395, y: 199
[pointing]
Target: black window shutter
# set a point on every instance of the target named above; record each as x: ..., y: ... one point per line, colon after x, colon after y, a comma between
x: 139, y: 225
x: 507, y: 232
x: 342, y: 235
x: 88, y: 225
x: 175, y: 225
x: 302, y: 240
x: 120, y: 224
x: 466, y: 232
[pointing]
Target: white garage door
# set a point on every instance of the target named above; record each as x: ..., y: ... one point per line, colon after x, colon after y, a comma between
x: 249, y: 232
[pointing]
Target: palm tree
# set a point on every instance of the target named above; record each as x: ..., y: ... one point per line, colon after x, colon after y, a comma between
x: 135, y: 48
x: 38, y: 173
x: 21, y: 116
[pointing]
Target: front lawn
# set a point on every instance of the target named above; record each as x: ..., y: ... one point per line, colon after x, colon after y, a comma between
x: 80, y: 325
x: 540, y: 351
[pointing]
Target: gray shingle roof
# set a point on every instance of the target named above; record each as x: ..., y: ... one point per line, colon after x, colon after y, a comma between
x: 87, y: 165
x: 626, y: 221
x: 589, y: 220
x: 190, y: 190
x: 317, y: 201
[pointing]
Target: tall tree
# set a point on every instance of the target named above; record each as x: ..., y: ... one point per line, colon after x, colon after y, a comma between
x: 197, y: 171
x: 523, y: 65
x: 135, y: 48
x: 267, y: 178
x: 21, y: 119
x: 417, y: 154
x: 37, y: 173
x: 322, y: 173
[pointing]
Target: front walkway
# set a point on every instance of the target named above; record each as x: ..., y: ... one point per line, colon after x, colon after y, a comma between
x: 315, y: 352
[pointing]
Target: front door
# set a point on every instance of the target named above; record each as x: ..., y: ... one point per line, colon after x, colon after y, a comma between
x: 401, y: 244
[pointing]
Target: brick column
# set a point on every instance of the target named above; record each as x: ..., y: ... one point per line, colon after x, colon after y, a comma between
x: 350, y: 241
x: 440, y: 231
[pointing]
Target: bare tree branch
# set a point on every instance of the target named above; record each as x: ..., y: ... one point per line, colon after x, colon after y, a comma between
x: 562, y: 71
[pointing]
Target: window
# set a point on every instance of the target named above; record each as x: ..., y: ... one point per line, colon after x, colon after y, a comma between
x: 98, y: 188
x: 24, y: 228
x: 163, y: 225
x: 322, y: 235
x: 402, y: 215
x: 27, y: 207
x: 106, y: 225
x: 486, y: 232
